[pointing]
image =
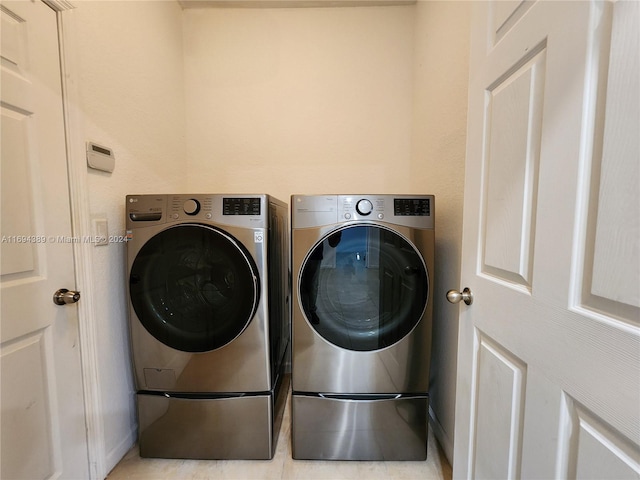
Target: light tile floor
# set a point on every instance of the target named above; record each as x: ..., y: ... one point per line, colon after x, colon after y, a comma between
x: 282, y: 466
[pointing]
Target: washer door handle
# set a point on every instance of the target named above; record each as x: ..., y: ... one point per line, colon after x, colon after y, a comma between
x: 455, y: 296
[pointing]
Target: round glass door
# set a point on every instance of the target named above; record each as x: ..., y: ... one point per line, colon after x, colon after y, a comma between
x: 363, y: 288
x: 194, y: 288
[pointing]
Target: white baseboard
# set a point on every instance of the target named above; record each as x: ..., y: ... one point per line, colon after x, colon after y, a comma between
x: 113, y: 457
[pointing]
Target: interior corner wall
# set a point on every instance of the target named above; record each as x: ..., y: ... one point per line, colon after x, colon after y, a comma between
x: 131, y: 94
x: 437, y: 166
x: 299, y: 100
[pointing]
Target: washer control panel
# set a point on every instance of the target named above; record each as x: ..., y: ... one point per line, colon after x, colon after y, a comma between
x: 191, y: 206
x: 241, y: 206
x: 237, y: 210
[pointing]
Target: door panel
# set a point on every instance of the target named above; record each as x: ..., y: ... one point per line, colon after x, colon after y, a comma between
x: 612, y: 259
x: 498, y: 409
x: 43, y: 423
x: 591, y: 449
x: 549, y: 351
x: 26, y: 409
x: 506, y: 14
x: 514, y: 105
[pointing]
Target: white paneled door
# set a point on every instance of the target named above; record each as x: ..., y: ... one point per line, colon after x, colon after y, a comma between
x: 42, y: 406
x: 549, y: 351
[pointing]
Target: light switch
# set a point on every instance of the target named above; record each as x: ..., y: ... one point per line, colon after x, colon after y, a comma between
x: 100, y: 231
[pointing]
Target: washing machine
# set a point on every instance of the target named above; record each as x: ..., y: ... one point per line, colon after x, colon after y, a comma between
x: 208, y: 285
x: 362, y: 267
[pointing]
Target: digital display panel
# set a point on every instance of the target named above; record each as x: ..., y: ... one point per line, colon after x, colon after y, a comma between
x: 98, y: 149
x: 240, y: 206
x: 411, y: 207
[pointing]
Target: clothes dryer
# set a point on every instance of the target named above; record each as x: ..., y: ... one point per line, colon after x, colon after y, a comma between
x: 209, y: 321
x: 362, y: 314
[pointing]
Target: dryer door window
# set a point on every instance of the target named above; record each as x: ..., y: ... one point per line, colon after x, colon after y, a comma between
x: 363, y: 288
x: 194, y: 288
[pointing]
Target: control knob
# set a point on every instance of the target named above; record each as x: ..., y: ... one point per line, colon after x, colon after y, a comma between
x: 364, y: 207
x: 191, y: 207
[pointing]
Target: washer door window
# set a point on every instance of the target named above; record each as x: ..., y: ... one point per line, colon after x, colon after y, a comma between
x: 363, y: 288
x: 194, y: 288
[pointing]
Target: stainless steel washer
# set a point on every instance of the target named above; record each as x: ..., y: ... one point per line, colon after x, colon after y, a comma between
x: 209, y: 320
x: 362, y: 313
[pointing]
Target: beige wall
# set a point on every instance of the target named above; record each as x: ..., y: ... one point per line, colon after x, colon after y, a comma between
x: 309, y: 100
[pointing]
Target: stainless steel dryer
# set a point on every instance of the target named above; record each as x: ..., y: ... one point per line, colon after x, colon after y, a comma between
x: 209, y: 320
x: 362, y: 313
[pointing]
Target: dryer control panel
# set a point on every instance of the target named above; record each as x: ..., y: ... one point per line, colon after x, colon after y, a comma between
x: 412, y: 207
x: 361, y: 207
x: 415, y: 211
